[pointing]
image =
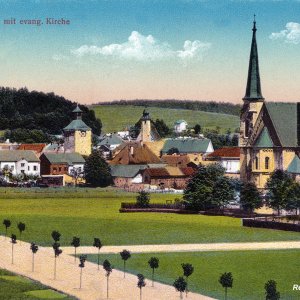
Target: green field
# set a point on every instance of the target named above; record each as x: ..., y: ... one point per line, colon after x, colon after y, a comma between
x: 17, y: 287
x: 90, y: 213
x: 250, y: 270
x: 117, y: 117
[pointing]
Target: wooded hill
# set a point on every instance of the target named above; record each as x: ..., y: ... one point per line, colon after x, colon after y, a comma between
x: 207, y: 106
x: 37, y: 110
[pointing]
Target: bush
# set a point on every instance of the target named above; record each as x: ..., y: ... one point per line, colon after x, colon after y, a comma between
x: 143, y: 199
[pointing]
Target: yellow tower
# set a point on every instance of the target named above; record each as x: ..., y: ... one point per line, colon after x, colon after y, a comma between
x: 77, y: 135
x: 146, y: 127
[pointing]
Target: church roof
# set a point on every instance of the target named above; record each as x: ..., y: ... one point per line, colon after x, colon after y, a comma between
x: 264, y: 140
x: 284, y: 119
x: 253, y: 90
x: 294, y: 166
x: 77, y: 125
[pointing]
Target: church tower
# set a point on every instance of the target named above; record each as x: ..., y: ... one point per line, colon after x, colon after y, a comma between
x: 253, y: 102
x: 146, y: 127
x: 77, y: 135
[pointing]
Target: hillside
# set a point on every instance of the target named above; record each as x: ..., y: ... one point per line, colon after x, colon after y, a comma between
x: 32, y: 110
x: 117, y: 117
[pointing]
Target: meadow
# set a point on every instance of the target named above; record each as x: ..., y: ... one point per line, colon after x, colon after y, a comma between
x: 89, y: 213
x: 18, y: 287
x: 250, y: 270
x: 117, y: 117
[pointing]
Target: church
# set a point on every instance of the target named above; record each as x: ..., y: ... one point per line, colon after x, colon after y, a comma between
x: 269, y: 131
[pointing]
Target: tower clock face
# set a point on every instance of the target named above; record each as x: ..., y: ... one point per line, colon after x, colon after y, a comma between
x: 82, y: 133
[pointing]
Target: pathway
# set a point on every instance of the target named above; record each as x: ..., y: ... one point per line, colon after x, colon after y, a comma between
x: 94, y: 281
x: 187, y: 247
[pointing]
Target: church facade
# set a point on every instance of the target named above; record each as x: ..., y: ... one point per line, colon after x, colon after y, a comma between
x: 269, y: 131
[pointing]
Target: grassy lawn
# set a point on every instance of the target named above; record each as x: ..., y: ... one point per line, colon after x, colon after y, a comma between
x: 17, y: 287
x: 95, y: 213
x: 250, y: 270
x: 118, y: 117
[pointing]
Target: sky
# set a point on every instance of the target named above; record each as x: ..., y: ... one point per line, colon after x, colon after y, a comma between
x: 150, y: 49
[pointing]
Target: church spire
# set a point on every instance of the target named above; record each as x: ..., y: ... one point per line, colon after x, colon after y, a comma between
x: 253, y: 90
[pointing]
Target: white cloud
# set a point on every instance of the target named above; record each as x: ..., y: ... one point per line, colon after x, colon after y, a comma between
x: 145, y: 48
x: 290, y: 35
x: 59, y: 57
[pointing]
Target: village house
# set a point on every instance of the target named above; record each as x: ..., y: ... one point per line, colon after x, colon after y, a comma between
x: 61, y: 163
x: 180, y: 126
x: 168, y: 177
x: 20, y: 162
x: 229, y: 159
x: 269, y: 131
x: 108, y: 143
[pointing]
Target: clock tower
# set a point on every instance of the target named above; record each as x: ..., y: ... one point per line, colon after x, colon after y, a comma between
x: 77, y: 135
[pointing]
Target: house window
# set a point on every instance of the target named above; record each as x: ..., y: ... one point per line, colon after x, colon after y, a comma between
x: 66, y: 168
x: 35, y: 168
x: 54, y: 169
x: 59, y: 169
x: 267, y: 163
x: 256, y: 163
x: 22, y: 164
x: 28, y: 168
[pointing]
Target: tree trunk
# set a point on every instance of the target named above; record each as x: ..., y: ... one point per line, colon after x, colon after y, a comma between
x: 80, y: 277
x: 32, y: 262
x: 107, y: 287
x: 181, y: 295
x: 55, y: 267
x: 75, y: 255
x: 98, y: 257
x: 12, y: 253
x: 186, y: 289
x: 5, y: 232
x: 124, y: 267
x: 140, y: 293
x: 153, y: 277
x: 225, y: 293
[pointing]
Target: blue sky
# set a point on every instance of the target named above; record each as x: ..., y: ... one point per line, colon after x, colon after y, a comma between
x: 154, y: 49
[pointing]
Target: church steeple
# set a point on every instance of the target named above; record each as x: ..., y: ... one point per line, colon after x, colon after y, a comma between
x: 253, y: 90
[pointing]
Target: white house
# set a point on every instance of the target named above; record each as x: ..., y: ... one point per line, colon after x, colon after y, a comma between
x: 20, y: 161
x: 228, y: 157
x: 180, y: 126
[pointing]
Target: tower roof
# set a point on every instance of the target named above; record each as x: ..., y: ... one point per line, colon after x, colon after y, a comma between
x: 253, y: 89
x: 77, y: 110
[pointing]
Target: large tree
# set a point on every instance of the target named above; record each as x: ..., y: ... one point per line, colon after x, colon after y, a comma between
x: 97, y: 170
x: 293, y: 197
x: 278, y: 186
x: 205, y: 188
x: 271, y: 290
x: 162, y: 128
x: 250, y: 197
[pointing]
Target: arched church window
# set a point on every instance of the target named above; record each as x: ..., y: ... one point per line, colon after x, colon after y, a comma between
x: 267, y: 163
x: 256, y: 163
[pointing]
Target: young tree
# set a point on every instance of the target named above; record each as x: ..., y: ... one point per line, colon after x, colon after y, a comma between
x: 55, y: 235
x: 197, y: 129
x: 7, y: 224
x: 223, y: 192
x: 108, y: 269
x: 277, y: 189
x: 82, y: 259
x: 34, y: 248
x: 13, y: 241
x: 154, y: 264
x: 226, y: 280
x: 188, y: 270
x: 76, y: 173
x: 125, y: 255
x: 21, y: 227
x: 293, y: 197
x: 97, y: 171
x: 57, y: 253
x: 180, y: 285
x: 75, y: 243
x: 271, y: 290
x: 250, y: 197
x: 98, y: 244
x: 141, y: 283
x: 143, y: 199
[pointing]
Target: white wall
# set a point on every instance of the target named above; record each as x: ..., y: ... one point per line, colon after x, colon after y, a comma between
x: 231, y: 166
x: 178, y: 128
x: 22, y: 166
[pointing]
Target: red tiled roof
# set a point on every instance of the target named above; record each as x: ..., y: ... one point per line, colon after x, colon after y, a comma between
x: 158, y: 172
x: 176, y: 160
x: 232, y: 152
x: 34, y: 147
x: 188, y: 171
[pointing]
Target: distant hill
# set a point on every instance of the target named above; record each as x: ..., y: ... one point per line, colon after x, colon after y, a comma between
x: 118, y: 117
x: 37, y: 110
x: 208, y: 106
